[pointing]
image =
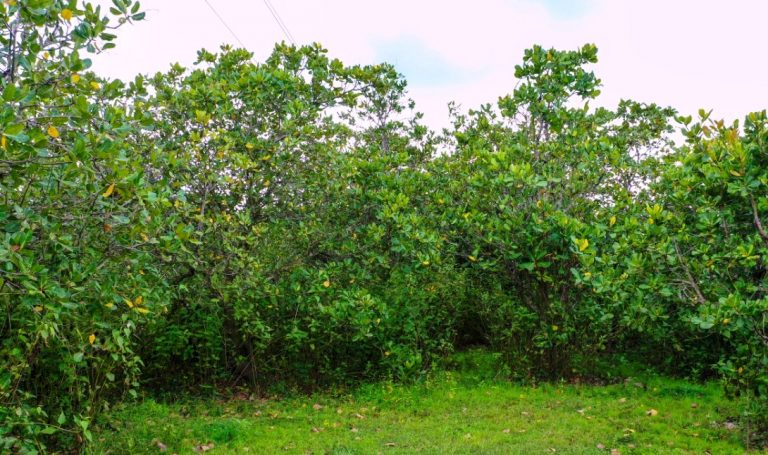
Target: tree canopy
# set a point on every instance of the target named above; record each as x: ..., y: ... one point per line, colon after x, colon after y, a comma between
x: 293, y: 222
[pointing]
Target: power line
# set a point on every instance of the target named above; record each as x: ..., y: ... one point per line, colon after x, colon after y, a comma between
x: 223, y: 22
x: 280, y: 22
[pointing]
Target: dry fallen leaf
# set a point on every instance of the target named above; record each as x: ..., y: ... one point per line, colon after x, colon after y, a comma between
x: 202, y: 448
x: 651, y: 412
x: 389, y: 444
x: 615, y: 452
x: 316, y: 430
x: 162, y: 446
x: 359, y: 416
x: 694, y: 405
x: 353, y: 430
x: 317, y: 407
x: 506, y: 430
x: 601, y: 446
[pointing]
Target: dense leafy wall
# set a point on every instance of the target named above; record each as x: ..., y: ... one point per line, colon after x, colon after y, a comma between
x: 291, y: 222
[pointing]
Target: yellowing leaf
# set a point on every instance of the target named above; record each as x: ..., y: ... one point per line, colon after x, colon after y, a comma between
x: 129, y: 303
x: 53, y: 132
x: 736, y: 173
x: 612, y: 221
x: 66, y: 14
x: 472, y: 258
x: 144, y: 237
x: 202, y: 117
x: 95, y: 85
x: 109, y: 191
x: 326, y: 284
x: 142, y: 310
x: 91, y: 339
x: 249, y: 146
x: 582, y: 244
x: 3, y: 141
x: 555, y: 328
x: 138, y: 300
x: 109, y: 305
x: 74, y: 78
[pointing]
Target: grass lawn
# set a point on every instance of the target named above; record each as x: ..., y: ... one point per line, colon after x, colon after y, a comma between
x: 457, y: 411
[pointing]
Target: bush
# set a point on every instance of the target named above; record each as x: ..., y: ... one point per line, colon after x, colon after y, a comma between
x: 291, y: 223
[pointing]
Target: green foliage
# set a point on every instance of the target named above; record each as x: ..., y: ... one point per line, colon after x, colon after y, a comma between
x: 305, y: 256
x: 74, y: 206
x: 291, y: 223
x: 699, y: 252
x: 531, y: 194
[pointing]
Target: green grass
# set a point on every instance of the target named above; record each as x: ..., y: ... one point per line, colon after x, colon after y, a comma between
x: 462, y: 411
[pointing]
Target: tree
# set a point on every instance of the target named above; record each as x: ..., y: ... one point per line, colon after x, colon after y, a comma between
x: 74, y: 273
x: 534, y: 185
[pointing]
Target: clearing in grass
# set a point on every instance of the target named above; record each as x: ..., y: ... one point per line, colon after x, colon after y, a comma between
x: 461, y: 411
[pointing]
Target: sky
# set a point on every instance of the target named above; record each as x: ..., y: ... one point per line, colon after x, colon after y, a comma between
x: 688, y: 54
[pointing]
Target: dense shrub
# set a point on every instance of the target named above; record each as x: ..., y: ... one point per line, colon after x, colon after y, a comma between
x: 290, y: 222
x: 76, y: 277
x: 534, y: 182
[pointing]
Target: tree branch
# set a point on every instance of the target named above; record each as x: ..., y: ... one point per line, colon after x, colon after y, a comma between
x: 699, y: 296
x: 758, y: 223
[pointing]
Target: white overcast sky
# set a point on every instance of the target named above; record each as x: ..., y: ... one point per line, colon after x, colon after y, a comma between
x: 688, y: 54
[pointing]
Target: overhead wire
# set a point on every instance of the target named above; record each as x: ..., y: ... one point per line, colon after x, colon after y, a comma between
x: 279, y: 21
x: 224, y: 23
x: 272, y: 11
